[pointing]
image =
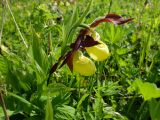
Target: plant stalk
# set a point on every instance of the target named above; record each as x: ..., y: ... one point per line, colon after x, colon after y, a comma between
x: 3, y: 105
x: 3, y: 20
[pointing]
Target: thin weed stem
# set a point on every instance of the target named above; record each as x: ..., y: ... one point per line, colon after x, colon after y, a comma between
x: 3, y: 105
x: 23, y: 40
x: 3, y: 21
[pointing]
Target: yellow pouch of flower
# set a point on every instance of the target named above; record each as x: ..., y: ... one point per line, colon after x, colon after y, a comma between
x: 83, y: 65
x: 98, y: 52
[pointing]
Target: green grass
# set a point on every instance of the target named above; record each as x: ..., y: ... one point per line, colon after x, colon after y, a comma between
x: 125, y: 86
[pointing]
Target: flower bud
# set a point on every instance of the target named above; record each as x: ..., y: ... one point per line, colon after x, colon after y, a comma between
x: 83, y: 65
x: 98, y: 52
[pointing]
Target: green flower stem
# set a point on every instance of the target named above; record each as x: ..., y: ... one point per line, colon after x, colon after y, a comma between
x: 84, y: 26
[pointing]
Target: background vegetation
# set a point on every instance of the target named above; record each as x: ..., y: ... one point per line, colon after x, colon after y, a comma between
x: 34, y: 34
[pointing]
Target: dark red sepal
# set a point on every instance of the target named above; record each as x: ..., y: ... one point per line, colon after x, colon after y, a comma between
x: 114, y: 18
x: 78, y: 42
x: 66, y: 58
x: 70, y: 61
x: 89, y: 42
x: 53, y: 68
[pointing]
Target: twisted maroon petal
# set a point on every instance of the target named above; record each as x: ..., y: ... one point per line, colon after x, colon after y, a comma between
x: 114, y: 18
x: 89, y: 42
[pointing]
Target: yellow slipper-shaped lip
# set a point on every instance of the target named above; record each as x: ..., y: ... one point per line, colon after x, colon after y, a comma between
x: 83, y: 65
x: 98, y: 52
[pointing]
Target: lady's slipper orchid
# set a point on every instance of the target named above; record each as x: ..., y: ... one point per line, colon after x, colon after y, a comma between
x: 83, y: 65
x: 98, y: 52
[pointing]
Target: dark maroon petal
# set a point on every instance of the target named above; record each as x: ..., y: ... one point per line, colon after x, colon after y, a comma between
x: 72, y: 45
x: 76, y: 45
x: 97, y: 22
x: 124, y: 21
x: 84, y: 32
x: 70, y: 61
x: 89, y: 42
x: 78, y: 42
x: 63, y: 63
x: 65, y: 60
x: 61, y: 58
x: 114, y: 18
x: 53, y: 68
